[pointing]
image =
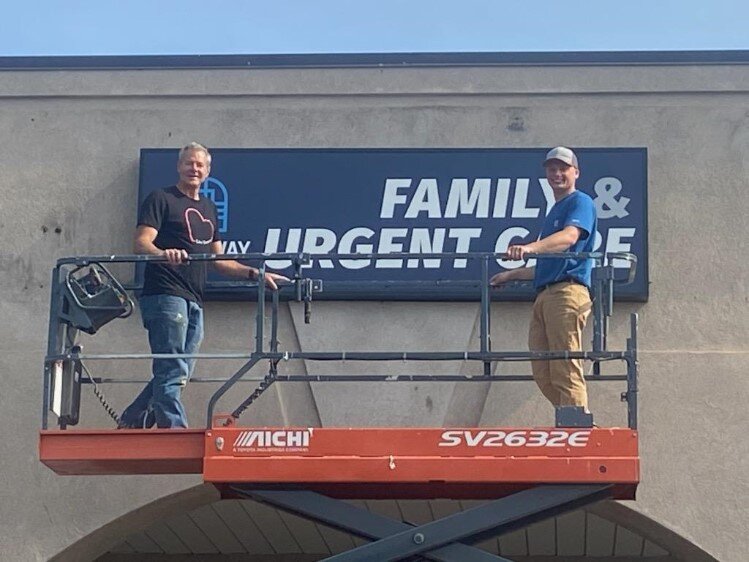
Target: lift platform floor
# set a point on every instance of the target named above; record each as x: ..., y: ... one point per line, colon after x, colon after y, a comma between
x: 363, y: 463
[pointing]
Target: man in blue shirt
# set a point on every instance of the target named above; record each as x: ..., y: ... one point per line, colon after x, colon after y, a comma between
x: 563, y: 302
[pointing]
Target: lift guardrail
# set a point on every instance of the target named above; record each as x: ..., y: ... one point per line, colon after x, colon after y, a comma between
x: 85, y: 296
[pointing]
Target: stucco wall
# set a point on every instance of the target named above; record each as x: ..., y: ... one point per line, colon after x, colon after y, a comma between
x: 70, y: 165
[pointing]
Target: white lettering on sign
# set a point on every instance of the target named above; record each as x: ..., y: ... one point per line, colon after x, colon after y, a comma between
x: 275, y: 440
x: 519, y: 438
x: 389, y: 243
x: 608, y: 201
x: 463, y: 237
x: 364, y: 240
x: 520, y: 207
x: 347, y: 246
x: 424, y: 242
x: 391, y: 196
x: 319, y: 241
x: 615, y: 243
x: 474, y: 202
x: 426, y: 199
x: 235, y: 246
x: 458, y: 215
x: 464, y: 198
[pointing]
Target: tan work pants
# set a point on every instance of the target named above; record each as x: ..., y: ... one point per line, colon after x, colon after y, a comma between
x: 559, y: 316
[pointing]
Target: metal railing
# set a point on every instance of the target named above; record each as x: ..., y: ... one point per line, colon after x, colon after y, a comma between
x: 65, y: 364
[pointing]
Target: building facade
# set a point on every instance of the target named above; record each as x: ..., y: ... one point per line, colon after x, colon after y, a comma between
x: 74, y: 128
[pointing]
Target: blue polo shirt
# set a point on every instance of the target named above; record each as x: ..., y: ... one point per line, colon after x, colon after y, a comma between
x: 576, y: 209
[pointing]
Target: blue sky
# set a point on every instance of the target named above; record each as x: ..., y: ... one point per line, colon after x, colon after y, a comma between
x: 137, y: 27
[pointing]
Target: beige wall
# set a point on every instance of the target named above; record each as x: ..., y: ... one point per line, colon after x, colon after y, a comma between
x: 70, y: 165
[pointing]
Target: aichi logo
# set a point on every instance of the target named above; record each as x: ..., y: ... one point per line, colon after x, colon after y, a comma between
x: 216, y: 191
x: 273, y: 439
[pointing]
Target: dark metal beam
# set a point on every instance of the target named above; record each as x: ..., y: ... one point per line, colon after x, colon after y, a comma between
x: 226, y: 386
x: 351, y: 519
x: 439, y: 539
x: 490, y: 519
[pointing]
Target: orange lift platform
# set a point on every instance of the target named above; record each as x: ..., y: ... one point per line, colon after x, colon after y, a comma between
x: 527, y: 474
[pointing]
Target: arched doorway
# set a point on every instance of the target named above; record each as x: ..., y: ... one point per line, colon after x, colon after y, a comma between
x: 196, y: 524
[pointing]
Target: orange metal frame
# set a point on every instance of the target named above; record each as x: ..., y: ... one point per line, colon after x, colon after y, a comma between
x: 127, y: 451
x: 361, y: 463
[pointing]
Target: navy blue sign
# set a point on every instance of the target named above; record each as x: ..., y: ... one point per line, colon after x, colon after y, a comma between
x: 408, y: 200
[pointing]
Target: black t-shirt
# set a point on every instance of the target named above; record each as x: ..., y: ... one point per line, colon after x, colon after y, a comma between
x: 182, y: 223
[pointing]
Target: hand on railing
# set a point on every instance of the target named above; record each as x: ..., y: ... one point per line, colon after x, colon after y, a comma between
x: 272, y: 280
x: 504, y: 279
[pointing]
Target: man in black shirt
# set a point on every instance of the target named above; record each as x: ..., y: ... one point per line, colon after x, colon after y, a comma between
x: 175, y: 222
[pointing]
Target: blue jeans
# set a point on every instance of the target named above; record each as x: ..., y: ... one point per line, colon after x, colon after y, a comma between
x: 175, y: 325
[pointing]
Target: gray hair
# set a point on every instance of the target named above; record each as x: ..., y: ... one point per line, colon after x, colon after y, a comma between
x: 194, y: 146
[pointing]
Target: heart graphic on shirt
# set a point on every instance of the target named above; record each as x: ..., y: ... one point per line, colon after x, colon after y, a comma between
x: 199, y: 229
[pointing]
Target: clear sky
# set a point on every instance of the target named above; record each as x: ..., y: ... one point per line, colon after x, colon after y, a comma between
x: 137, y: 27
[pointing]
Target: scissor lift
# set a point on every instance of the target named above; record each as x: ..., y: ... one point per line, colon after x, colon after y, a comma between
x: 527, y: 473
